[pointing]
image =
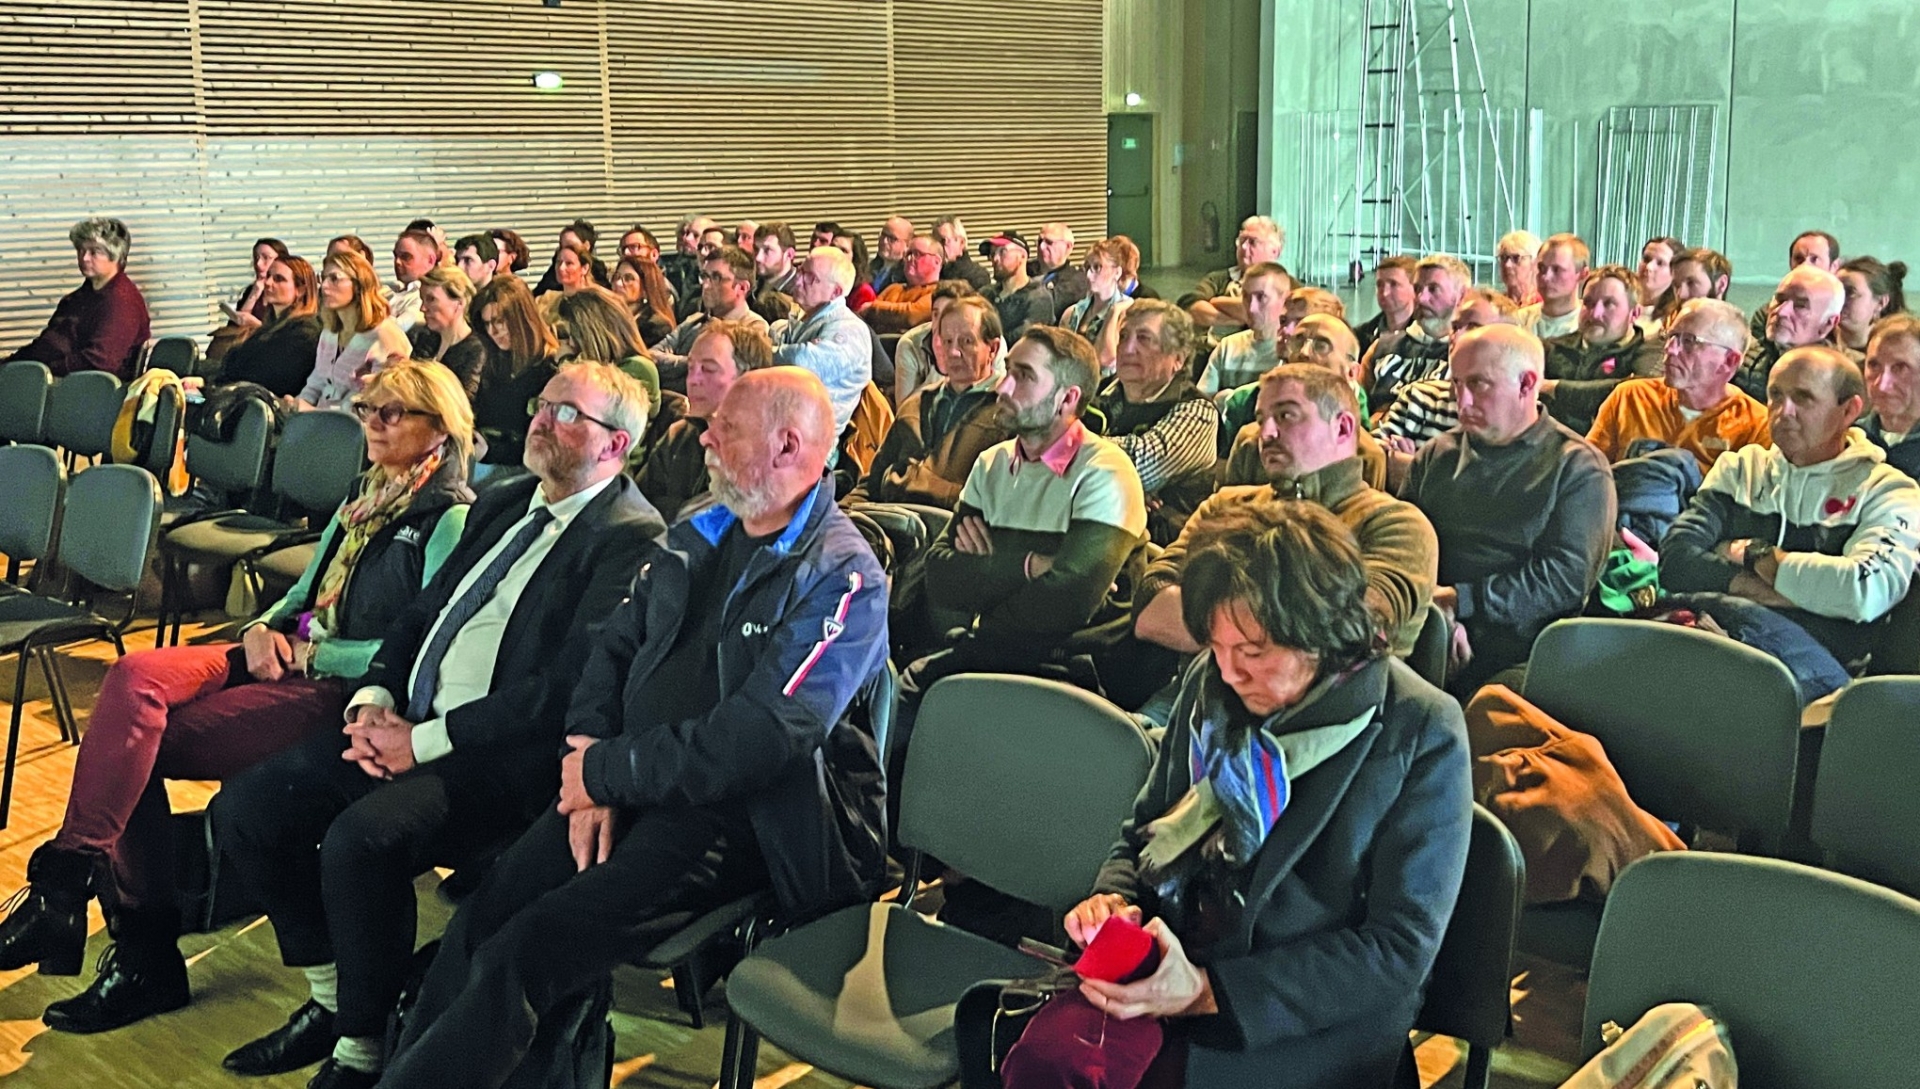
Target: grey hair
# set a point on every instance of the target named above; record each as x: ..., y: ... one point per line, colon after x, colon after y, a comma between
x: 1836, y: 291
x: 107, y: 233
x: 627, y: 404
x: 1725, y: 324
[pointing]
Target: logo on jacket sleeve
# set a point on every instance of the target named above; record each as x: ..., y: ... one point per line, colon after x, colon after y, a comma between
x: 1836, y: 505
x: 830, y: 630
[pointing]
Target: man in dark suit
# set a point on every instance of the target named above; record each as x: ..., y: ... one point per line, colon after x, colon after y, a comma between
x: 452, y: 743
x: 710, y: 750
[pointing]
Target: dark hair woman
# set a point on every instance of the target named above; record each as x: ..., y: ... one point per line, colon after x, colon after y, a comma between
x: 209, y: 711
x: 1305, y: 821
x: 643, y: 288
x: 279, y: 354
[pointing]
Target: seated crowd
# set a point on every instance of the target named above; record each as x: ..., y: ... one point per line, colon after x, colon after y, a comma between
x: 600, y: 608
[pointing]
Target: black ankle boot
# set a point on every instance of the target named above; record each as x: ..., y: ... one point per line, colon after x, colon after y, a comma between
x: 47, y: 921
x: 141, y: 974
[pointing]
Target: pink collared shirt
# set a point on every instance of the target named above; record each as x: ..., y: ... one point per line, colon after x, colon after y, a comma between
x: 1058, y: 458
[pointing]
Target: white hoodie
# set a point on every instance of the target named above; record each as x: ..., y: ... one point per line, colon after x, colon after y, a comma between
x: 1855, y: 496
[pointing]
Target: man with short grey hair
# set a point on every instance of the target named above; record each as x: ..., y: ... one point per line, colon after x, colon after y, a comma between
x: 1054, y: 267
x: 1805, y: 311
x: 1690, y: 406
x: 102, y: 324
x: 951, y: 236
x: 1524, y: 508
x: 1215, y: 302
x: 827, y: 339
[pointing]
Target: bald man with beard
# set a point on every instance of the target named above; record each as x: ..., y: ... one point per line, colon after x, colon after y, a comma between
x: 699, y: 751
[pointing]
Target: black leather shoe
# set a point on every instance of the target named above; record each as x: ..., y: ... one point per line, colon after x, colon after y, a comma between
x: 46, y: 922
x: 128, y: 989
x: 334, y: 1075
x: 305, y: 1039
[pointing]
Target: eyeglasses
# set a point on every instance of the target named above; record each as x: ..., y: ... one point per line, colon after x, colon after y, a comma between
x: 564, y: 413
x: 389, y: 414
x: 1688, y: 342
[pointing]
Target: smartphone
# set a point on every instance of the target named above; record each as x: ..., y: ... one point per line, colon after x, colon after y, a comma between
x: 227, y: 309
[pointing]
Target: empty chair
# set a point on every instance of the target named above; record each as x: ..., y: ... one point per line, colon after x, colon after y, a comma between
x: 868, y: 992
x: 24, y: 389
x: 80, y: 414
x: 107, y: 530
x: 1812, y: 972
x: 1470, y: 993
x: 319, y: 456
x: 181, y: 355
x: 1866, y: 813
x: 35, y: 484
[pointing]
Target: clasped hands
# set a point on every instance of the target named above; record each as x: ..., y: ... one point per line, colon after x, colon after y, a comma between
x: 380, y: 742
x: 1177, y: 988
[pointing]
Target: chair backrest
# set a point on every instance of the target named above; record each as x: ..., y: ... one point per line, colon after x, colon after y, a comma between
x: 1811, y: 971
x: 112, y: 517
x: 1429, y: 655
x: 1470, y: 995
x: 239, y: 464
x: 1866, y: 812
x: 24, y: 388
x: 34, y: 485
x: 163, y: 448
x: 320, y: 455
x: 181, y: 355
x: 81, y: 411
x: 1021, y: 783
x: 1703, y: 730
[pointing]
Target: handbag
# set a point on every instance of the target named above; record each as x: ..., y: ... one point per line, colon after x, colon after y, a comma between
x: 1673, y: 1046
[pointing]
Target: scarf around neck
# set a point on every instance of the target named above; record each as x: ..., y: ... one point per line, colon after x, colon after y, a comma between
x: 383, y: 497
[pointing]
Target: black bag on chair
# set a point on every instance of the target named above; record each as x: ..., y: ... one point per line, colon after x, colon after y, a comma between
x: 208, y: 893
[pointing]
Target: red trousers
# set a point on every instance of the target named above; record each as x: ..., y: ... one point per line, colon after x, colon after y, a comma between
x: 176, y: 713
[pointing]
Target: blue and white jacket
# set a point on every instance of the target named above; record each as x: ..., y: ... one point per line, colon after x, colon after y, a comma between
x: 803, y: 632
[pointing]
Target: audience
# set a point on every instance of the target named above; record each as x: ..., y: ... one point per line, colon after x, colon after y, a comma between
x: 246, y: 313
x: 1815, y: 249
x: 1045, y: 523
x: 907, y: 301
x: 521, y: 363
x: 102, y: 324
x: 943, y: 427
x: 674, y: 475
x: 1325, y: 342
x: 478, y: 255
x: 577, y: 238
x: 706, y: 760
x: 743, y: 234
x: 1111, y: 263
x: 1585, y: 366
x: 950, y: 236
x: 682, y: 267
x: 886, y: 266
x: 638, y: 244
x: 1690, y: 406
x: 1655, y: 273
x: 210, y: 710
x: 726, y: 279
x: 1418, y: 352
x: 1893, y: 391
x: 1560, y: 270
x: 1241, y: 358
x: 1054, y: 269
x: 1215, y: 302
x: 1308, y: 429
x: 1873, y: 290
x: 1700, y: 274
x: 571, y: 271
x: 1805, y: 311
x: 279, y: 352
x: 649, y: 302
x: 1799, y: 548
x: 594, y: 325
x: 453, y: 735
x: 773, y: 259
x: 851, y: 244
x: 514, y: 253
x: 1524, y: 508
x: 827, y: 339
x: 917, y: 356
x: 1517, y: 255
x: 1393, y: 294
x: 1158, y: 418
x: 444, y: 335
x: 414, y: 253
x: 357, y: 337
x: 1337, y: 917
x: 1428, y: 407
x: 1023, y: 302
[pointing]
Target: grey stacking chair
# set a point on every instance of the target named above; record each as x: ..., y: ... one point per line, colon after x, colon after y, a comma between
x: 319, y: 457
x: 1812, y: 972
x: 181, y: 355
x: 867, y: 993
x: 1470, y: 994
x: 81, y: 412
x: 1429, y: 655
x: 24, y: 389
x: 1866, y: 813
x: 107, y: 530
x: 35, y: 485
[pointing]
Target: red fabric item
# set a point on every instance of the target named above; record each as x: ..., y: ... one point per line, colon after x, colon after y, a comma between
x: 1071, y: 1045
x: 860, y: 296
x: 174, y: 713
x: 1118, y: 950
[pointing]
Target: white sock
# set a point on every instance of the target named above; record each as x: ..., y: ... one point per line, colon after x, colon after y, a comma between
x: 362, y: 1053
x: 324, y: 982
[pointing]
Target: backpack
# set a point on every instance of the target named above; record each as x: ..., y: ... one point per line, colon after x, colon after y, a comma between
x: 1673, y: 1046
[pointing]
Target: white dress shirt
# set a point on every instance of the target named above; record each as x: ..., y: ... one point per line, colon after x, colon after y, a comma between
x: 466, y: 673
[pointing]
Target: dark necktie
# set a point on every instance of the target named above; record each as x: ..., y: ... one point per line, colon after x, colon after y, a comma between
x: 426, y: 678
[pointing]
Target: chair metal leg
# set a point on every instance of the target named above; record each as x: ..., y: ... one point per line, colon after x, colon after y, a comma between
x: 166, y: 600
x: 739, y: 1055
x: 1479, y: 1067
x: 57, y: 695
x: 689, y: 994
x: 13, y: 738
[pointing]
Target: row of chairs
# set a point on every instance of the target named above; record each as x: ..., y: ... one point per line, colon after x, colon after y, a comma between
x: 75, y: 413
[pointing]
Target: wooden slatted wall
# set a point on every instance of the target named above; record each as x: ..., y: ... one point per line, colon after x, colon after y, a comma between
x: 208, y: 123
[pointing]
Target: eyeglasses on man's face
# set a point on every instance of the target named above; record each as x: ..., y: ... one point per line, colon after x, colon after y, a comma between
x: 564, y: 412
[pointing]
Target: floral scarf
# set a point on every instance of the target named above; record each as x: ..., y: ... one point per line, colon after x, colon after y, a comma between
x: 383, y: 497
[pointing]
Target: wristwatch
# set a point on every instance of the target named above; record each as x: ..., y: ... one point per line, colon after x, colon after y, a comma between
x: 1757, y: 550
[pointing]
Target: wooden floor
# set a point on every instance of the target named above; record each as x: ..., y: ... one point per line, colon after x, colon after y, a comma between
x: 241, y: 990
